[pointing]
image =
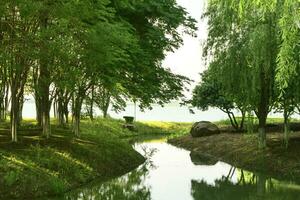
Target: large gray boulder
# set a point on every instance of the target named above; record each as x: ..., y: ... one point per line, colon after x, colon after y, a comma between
x: 204, y: 128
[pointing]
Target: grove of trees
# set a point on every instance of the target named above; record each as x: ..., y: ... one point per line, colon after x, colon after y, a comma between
x: 67, y: 53
x: 253, y: 56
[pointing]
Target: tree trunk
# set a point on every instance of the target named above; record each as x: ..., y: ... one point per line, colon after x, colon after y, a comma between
x: 14, y: 115
x: 45, y: 108
x: 2, y: 102
x: 2, y: 110
x: 38, y: 108
x: 76, y: 116
x: 286, y: 129
x: 55, y: 109
x: 235, y: 121
x: 77, y: 104
x: 66, y: 113
x: 263, y: 108
x: 73, y: 108
x: 232, y: 120
x: 20, y: 110
x: 77, y: 125
x: 46, y: 128
x: 262, y: 137
x: 60, y: 115
x: 59, y: 110
x: 105, y: 106
x: 66, y: 101
x: 243, y: 120
x: 46, y: 124
x: 7, y: 101
x: 45, y: 78
x: 92, y: 104
x: 266, y: 76
x: 45, y: 99
x: 61, y: 118
x: 105, y: 114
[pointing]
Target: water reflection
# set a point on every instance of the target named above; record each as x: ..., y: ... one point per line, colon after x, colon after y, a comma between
x: 170, y: 174
x: 248, y: 186
x: 129, y: 187
x: 202, y: 159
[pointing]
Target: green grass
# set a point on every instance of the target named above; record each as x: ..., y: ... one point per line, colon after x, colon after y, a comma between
x: 37, y: 167
x: 165, y: 128
x: 146, y: 128
x: 270, y: 120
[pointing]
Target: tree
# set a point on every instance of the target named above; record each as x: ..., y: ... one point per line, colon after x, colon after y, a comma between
x: 18, y: 41
x: 106, y: 96
x: 251, y: 64
x: 157, y: 30
x: 209, y: 93
x: 288, y: 99
x: 143, y: 80
x: 60, y: 56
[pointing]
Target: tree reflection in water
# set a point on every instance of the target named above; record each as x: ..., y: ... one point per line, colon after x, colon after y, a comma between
x: 208, y: 181
x: 248, y: 186
x: 128, y: 187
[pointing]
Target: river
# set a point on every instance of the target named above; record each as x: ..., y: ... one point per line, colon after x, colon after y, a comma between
x: 170, y: 174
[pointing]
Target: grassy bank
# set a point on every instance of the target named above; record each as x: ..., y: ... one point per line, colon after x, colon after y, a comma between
x: 270, y: 120
x: 38, y: 167
x: 241, y: 150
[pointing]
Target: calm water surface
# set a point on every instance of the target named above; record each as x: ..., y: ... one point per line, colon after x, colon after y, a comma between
x: 170, y: 174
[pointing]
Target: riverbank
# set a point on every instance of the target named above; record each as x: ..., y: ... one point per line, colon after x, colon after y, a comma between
x: 37, y: 167
x: 241, y: 150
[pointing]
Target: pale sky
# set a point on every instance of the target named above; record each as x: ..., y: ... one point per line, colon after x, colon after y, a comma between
x: 187, y: 60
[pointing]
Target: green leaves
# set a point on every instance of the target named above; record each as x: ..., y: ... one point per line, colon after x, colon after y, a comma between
x: 68, y: 46
x: 290, y: 36
x: 210, y: 93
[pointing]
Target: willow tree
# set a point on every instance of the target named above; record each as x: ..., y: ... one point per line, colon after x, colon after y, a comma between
x: 289, y: 61
x: 288, y: 98
x: 287, y: 21
x: 248, y: 47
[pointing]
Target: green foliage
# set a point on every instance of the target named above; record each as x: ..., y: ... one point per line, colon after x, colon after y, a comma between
x: 209, y: 94
x: 157, y: 30
x: 11, y: 177
x: 51, y: 50
x: 288, y: 24
x: 56, y: 186
x: 39, y: 167
x: 252, y: 49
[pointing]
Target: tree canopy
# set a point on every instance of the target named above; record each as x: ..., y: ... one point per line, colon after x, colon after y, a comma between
x: 64, y: 51
x: 252, y: 51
